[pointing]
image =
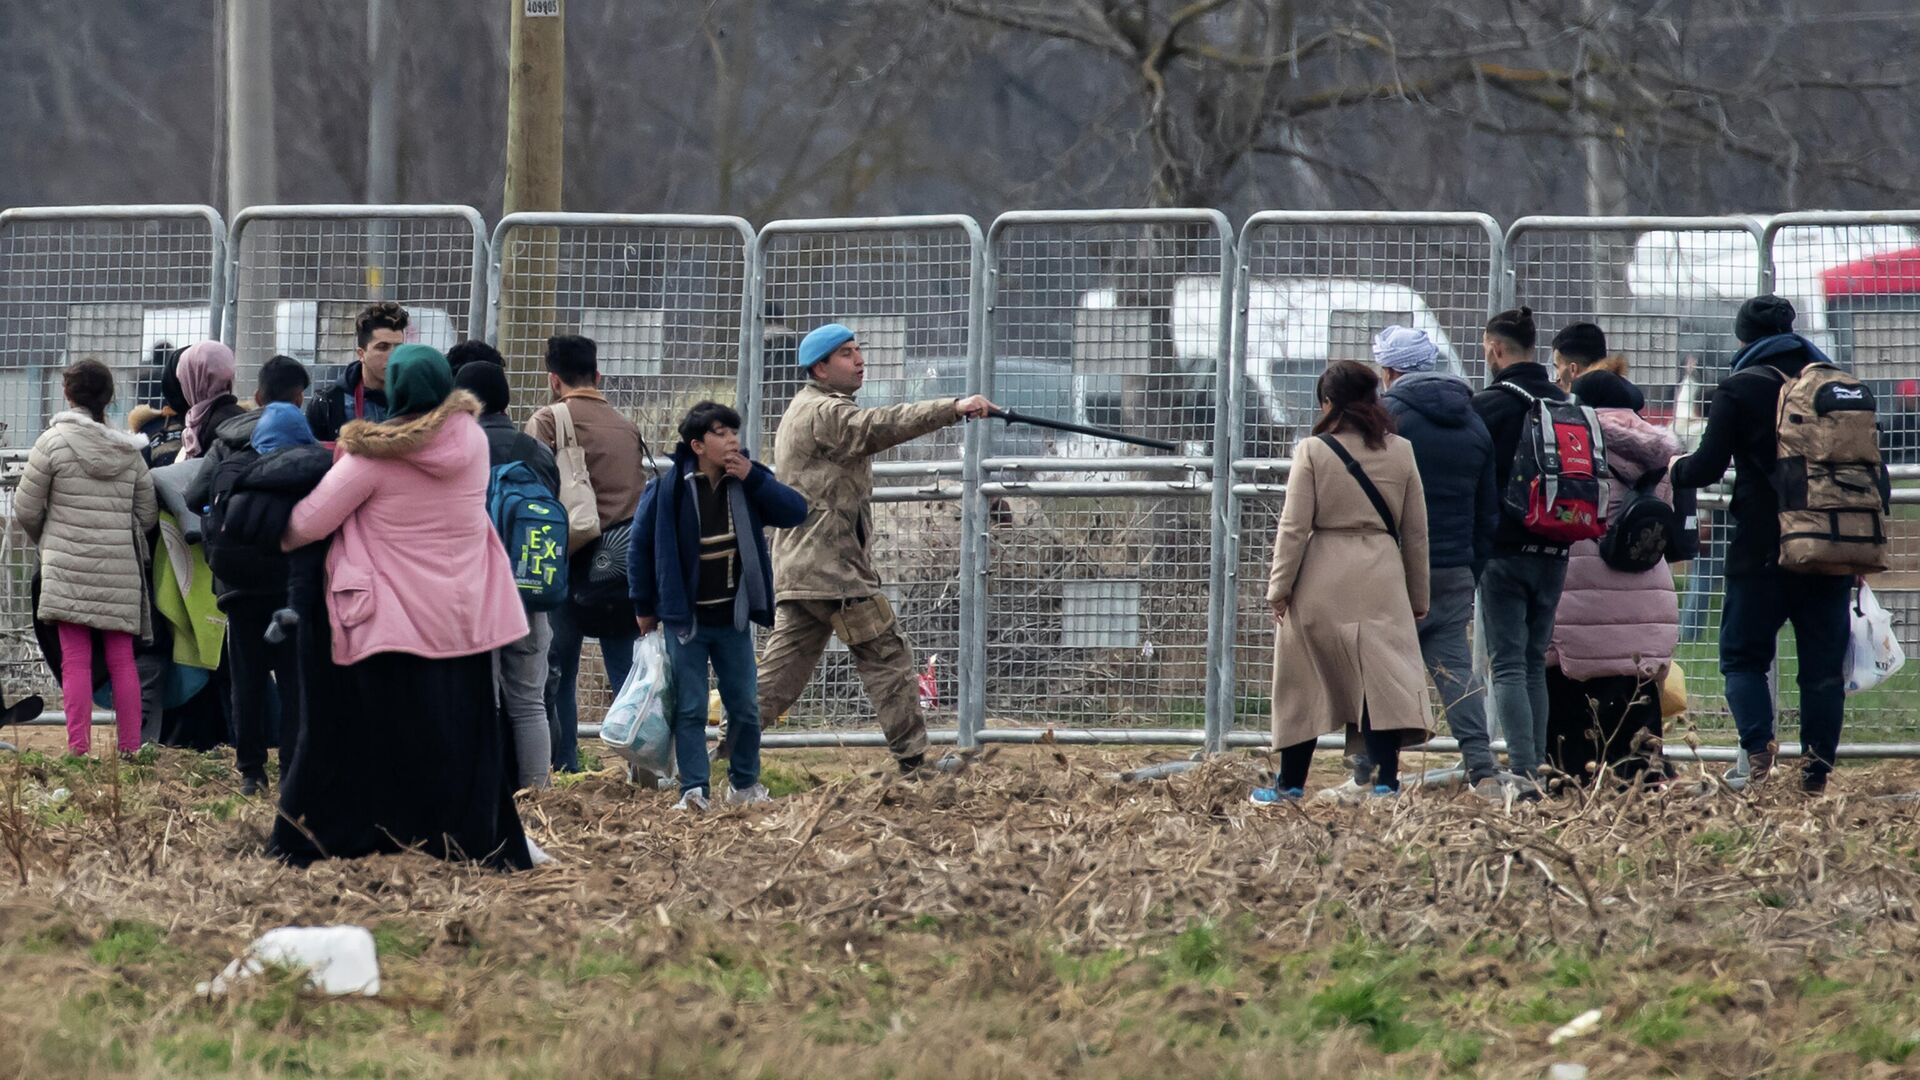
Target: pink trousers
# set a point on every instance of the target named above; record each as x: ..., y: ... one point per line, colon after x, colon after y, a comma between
x: 76, y: 685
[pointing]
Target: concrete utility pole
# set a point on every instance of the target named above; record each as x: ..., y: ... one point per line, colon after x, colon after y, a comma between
x: 252, y: 169
x: 536, y: 120
x: 383, y: 136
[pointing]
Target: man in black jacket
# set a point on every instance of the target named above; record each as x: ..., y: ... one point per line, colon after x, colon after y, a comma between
x: 1434, y: 412
x: 523, y: 664
x: 1520, y: 588
x: 1761, y: 598
x: 361, y: 391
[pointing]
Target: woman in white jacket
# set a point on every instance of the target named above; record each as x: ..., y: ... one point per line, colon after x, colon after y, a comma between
x: 87, y: 500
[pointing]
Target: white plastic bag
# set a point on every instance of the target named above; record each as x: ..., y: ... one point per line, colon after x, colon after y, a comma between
x: 637, y: 727
x: 337, y: 959
x: 1873, y: 651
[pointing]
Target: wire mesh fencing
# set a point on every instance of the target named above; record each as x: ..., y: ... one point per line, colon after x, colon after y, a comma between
x: 1854, y: 282
x: 911, y: 289
x: 1315, y: 288
x: 1098, y: 610
x: 302, y: 274
x: 1665, y: 292
x: 664, y: 297
x: 119, y: 284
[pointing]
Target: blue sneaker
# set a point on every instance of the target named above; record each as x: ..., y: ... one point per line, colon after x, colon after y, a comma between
x: 1274, y: 796
x: 1382, y: 791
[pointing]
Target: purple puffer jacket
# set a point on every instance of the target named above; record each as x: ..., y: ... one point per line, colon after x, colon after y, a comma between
x: 1610, y: 622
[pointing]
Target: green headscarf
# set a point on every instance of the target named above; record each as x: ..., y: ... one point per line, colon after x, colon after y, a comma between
x: 418, y: 380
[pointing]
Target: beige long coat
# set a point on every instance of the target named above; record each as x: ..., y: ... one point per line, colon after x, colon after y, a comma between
x: 87, y: 500
x: 1349, y: 637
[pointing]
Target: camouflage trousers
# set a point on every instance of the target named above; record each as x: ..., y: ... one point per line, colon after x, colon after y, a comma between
x: 883, y: 658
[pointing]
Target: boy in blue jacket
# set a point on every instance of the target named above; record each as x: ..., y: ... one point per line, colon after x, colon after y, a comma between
x: 698, y: 565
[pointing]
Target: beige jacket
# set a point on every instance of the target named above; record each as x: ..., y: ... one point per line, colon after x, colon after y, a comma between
x: 1349, y: 640
x: 824, y: 450
x: 616, y: 456
x: 87, y: 500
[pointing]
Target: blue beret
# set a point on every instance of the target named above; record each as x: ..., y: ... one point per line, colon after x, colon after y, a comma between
x: 820, y: 343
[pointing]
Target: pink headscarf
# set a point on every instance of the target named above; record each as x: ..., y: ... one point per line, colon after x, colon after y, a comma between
x: 206, y: 372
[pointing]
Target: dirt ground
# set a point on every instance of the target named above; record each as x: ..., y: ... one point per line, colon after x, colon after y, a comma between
x: 1029, y: 916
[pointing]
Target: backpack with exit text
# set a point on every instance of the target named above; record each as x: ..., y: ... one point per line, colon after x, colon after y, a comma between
x: 1833, y: 488
x: 533, y: 526
x: 1559, y: 486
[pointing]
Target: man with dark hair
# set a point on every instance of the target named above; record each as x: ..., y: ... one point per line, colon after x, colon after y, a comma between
x: 616, y: 458
x: 828, y: 586
x: 523, y: 664
x: 474, y: 351
x: 698, y: 566
x: 251, y: 587
x: 1520, y: 587
x: 361, y: 391
x: 1743, y: 431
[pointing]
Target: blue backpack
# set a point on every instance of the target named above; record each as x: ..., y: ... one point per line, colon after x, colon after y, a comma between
x: 533, y: 525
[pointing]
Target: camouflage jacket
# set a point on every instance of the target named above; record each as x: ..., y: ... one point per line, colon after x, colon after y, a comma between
x: 824, y: 449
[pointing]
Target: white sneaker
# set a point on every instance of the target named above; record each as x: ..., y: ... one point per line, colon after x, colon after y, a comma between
x: 1351, y: 791
x: 692, y: 800
x: 750, y: 797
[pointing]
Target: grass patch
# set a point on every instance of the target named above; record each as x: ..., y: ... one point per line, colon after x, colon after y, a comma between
x: 128, y: 941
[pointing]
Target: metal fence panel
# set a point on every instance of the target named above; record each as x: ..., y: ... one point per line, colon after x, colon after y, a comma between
x: 1313, y: 288
x: 1854, y: 280
x: 1101, y: 604
x: 302, y: 273
x: 111, y: 283
x: 1665, y: 291
x: 666, y: 297
x: 912, y: 288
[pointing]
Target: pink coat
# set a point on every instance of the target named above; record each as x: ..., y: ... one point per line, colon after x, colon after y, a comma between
x: 415, y: 566
x: 1611, y: 622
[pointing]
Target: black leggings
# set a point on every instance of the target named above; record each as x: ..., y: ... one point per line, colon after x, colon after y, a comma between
x: 1383, y: 748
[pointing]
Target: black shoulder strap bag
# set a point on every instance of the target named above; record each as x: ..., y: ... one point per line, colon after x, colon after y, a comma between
x: 1366, y: 484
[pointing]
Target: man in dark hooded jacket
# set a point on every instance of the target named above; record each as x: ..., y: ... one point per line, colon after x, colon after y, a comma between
x: 1742, y: 430
x: 1434, y: 411
x: 361, y: 391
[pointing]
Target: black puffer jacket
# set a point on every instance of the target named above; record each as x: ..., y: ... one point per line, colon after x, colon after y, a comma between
x: 1742, y: 430
x: 253, y: 498
x: 1435, y: 413
x: 1505, y: 414
x: 230, y: 438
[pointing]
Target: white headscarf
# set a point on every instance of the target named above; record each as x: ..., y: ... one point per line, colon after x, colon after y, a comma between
x: 1404, y: 349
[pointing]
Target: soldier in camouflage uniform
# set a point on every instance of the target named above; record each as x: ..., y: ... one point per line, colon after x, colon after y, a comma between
x: 823, y: 570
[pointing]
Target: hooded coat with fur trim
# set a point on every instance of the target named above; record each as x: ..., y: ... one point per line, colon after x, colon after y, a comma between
x: 1611, y: 622
x: 87, y: 500
x: 415, y: 566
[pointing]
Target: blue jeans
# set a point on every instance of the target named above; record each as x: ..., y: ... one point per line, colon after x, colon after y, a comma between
x: 563, y: 677
x: 1449, y: 659
x: 1757, y: 606
x: 730, y: 652
x: 1519, y: 595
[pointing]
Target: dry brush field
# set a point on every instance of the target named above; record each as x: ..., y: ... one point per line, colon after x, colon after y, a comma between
x: 1029, y: 916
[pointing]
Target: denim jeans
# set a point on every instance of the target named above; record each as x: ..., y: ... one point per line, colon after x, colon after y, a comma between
x: 1518, y: 597
x: 1757, y: 606
x: 730, y: 652
x: 1449, y: 659
x: 523, y: 692
x: 563, y: 677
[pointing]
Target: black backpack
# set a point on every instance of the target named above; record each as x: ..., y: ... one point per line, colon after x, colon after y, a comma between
x: 1643, y: 530
x: 597, y: 585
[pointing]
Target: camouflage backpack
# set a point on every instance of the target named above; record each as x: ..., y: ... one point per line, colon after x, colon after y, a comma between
x: 1834, y: 491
